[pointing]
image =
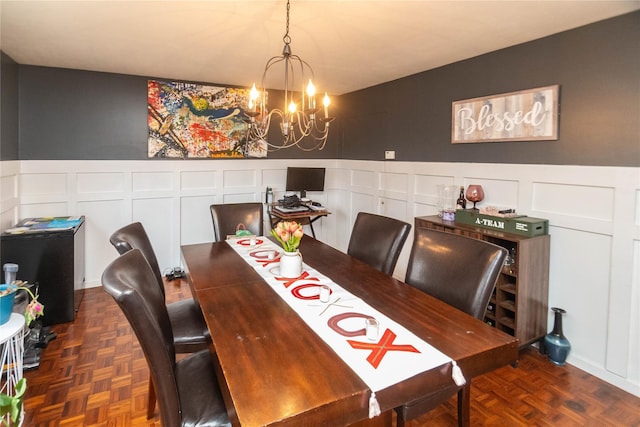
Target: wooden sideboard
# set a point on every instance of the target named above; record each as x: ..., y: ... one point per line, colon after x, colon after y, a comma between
x: 519, y: 305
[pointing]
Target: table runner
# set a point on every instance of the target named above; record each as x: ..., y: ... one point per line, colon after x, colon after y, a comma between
x: 396, y: 354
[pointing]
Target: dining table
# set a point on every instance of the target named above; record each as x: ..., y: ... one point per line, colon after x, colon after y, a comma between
x: 274, y: 369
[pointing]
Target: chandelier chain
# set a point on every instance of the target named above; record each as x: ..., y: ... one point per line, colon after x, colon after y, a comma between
x: 287, y: 38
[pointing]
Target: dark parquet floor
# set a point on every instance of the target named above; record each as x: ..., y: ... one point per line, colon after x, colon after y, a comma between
x: 95, y: 374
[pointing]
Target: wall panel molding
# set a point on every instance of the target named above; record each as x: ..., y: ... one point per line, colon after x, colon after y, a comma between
x: 595, y: 232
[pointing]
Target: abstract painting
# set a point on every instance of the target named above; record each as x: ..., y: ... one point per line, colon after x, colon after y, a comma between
x: 187, y: 120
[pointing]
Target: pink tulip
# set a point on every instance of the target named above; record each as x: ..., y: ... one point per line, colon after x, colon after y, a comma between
x: 284, y: 235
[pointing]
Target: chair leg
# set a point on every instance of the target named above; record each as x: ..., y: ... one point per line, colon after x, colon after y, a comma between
x: 400, y: 421
x: 464, y: 405
x: 151, y: 403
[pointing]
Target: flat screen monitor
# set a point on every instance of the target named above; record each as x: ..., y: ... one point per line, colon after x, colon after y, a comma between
x: 305, y: 179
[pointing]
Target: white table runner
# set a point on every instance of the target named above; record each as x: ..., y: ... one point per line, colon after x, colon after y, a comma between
x: 397, y: 354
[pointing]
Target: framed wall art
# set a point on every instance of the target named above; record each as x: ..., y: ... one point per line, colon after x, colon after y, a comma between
x: 187, y: 120
x: 526, y: 115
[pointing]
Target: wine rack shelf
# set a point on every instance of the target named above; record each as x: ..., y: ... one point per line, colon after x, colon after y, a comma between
x: 519, y: 303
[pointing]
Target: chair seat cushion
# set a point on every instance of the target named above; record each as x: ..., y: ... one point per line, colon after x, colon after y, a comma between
x: 200, y: 397
x: 190, y: 332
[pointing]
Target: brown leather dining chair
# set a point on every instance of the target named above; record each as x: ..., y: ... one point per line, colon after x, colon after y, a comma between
x: 378, y: 240
x: 188, y: 391
x: 462, y: 272
x: 190, y: 332
x: 226, y: 218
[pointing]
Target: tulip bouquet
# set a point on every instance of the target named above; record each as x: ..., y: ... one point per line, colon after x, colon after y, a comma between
x: 289, y: 234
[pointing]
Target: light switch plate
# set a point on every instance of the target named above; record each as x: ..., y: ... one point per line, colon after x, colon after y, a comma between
x: 389, y: 155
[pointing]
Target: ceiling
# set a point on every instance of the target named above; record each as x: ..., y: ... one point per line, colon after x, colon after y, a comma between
x: 351, y: 44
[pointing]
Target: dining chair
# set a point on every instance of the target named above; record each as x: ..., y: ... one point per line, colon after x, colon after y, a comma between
x: 378, y: 240
x: 462, y: 272
x: 190, y: 332
x: 226, y: 218
x: 188, y: 391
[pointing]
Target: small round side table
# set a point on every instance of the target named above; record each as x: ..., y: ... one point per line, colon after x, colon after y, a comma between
x: 12, y: 349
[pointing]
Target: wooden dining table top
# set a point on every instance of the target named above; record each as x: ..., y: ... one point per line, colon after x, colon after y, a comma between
x: 275, y: 371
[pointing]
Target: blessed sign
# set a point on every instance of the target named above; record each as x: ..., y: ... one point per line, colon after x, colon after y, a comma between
x: 527, y: 115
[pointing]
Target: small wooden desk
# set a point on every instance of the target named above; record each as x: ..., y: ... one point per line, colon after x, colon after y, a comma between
x: 275, y: 371
x: 305, y: 217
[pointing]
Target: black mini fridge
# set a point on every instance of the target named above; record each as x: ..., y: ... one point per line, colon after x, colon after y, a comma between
x: 50, y: 253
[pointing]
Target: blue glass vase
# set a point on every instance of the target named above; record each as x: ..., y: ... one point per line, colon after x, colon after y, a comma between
x: 556, y: 344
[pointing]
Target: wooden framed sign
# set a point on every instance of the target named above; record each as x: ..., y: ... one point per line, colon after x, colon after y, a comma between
x: 526, y: 115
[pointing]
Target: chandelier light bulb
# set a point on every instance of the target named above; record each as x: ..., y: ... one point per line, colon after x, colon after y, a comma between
x: 311, y: 89
x: 311, y: 92
x: 253, y: 100
x: 254, y: 94
x: 326, y: 101
x: 292, y: 107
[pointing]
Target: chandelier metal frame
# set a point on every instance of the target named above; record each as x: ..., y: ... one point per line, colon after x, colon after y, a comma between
x: 300, y: 121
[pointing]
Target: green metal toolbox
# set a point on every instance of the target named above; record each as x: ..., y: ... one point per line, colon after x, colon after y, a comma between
x: 521, y: 225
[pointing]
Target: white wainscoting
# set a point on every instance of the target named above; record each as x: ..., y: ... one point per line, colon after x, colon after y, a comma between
x: 594, y: 216
x: 9, y: 197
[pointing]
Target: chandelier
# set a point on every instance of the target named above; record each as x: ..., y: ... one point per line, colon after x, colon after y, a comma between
x: 301, y: 123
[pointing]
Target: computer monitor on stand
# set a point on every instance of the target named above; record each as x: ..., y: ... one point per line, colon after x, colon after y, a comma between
x: 305, y: 179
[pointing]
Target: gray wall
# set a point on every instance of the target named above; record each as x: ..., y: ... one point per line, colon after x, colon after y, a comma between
x: 596, y: 66
x: 8, y: 108
x: 73, y: 114
x: 76, y: 115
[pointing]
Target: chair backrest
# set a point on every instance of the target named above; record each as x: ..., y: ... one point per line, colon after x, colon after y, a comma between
x: 226, y: 218
x: 134, y: 236
x: 131, y: 282
x: 458, y: 270
x: 378, y: 240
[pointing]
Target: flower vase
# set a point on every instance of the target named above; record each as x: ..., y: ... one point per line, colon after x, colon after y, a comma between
x: 291, y: 264
x: 556, y: 344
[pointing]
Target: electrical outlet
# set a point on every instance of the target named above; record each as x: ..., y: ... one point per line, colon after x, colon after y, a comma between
x: 389, y: 155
